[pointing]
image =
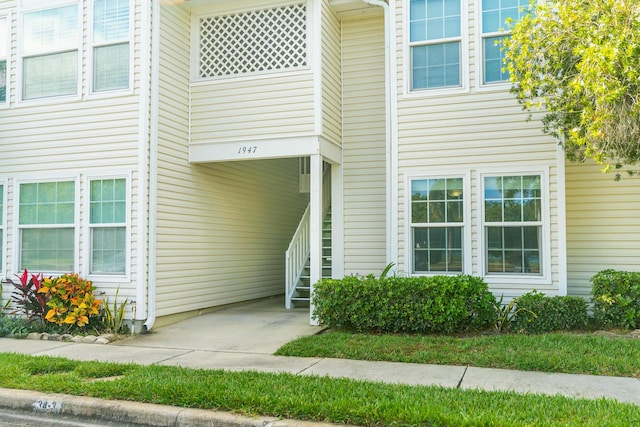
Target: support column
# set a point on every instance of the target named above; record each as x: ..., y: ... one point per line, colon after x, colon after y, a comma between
x: 315, y: 219
x: 337, y: 221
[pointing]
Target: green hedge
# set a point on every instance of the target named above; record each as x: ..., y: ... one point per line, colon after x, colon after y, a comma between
x: 537, y: 313
x: 405, y: 304
x: 616, y: 299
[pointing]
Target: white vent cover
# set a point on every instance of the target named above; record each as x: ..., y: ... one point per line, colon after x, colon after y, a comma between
x: 253, y: 42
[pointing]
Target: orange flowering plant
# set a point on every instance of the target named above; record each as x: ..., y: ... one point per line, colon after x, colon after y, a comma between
x: 71, y: 301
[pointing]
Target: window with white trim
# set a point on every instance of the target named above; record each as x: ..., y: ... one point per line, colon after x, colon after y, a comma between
x: 108, y: 226
x: 4, y: 56
x: 513, y: 224
x: 110, y: 37
x: 437, y: 225
x: 46, y: 226
x: 495, y: 14
x: 50, y: 48
x: 435, y: 43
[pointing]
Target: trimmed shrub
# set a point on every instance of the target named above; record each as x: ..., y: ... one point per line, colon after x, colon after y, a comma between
x: 616, y: 299
x: 538, y: 313
x: 405, y: 304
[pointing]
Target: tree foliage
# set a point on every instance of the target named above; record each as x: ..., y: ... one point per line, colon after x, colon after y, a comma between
x: 579, y: 62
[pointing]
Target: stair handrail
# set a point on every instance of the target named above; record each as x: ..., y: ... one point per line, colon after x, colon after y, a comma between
x: 296, y: 255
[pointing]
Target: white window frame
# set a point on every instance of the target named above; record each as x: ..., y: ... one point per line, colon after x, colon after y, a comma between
x: 27, y: 6
x: 106, y: 278
x: 7, y: 15
x: 464, y: 55
x: 466, y: 223
x: 545, y: 278
x: 17, y: 228
x: 480, y: 63
x: 90, y: 56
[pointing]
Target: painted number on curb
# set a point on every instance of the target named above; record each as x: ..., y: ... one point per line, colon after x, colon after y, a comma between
x: 47, y: 406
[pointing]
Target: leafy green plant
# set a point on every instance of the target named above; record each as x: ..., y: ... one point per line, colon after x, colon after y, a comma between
x: 578, y: 62
x: 405, y: 304
x: 14, y: 326
x: 27, y: 298
x: 386, y: 271
x: 71, y: 300
x: 114, y: 314
x: 506, y: 314
x: 538, y: 313
x: 616, y: 298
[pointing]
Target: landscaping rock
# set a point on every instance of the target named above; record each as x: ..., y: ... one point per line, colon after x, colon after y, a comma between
x: 89, y: 339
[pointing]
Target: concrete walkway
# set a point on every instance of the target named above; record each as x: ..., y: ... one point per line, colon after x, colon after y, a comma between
x: 244, y: 337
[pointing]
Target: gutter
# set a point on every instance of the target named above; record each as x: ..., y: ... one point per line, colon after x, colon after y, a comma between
x: 391, y: 97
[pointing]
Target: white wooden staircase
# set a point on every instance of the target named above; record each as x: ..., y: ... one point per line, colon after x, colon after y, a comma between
x: 298, y: 270
x: 299, y: 293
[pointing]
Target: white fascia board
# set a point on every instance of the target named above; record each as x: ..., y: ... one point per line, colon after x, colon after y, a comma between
x: 254, y: 149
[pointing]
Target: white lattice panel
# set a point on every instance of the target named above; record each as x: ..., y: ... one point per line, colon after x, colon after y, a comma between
x: 253, y: 42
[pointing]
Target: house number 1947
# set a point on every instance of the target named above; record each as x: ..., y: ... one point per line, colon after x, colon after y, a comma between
x: 247, y: 149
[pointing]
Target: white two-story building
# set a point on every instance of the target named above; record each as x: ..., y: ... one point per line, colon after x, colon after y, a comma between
x: 198, y: 153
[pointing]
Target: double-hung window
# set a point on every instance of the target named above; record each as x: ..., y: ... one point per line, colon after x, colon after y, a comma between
x: 111, y: 52
x: 50, y: 48
x: 435, y: 43
x: 495, y: 14
x: 47, y: 226
x: 108, y: 226
x: 4, y: 56
x: 513, y: 224
x: 437, y: 225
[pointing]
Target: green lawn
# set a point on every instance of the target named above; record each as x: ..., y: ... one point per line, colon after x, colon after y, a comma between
x: 308, y: 398
x: 558, y: 352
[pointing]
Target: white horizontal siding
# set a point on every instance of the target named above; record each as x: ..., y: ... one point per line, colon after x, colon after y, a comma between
x: 222, y: 228
x: 223, y: 231
x: 603, y: 224
x: 364, y: 160
x: 331, y: 84
x: 253, y: 108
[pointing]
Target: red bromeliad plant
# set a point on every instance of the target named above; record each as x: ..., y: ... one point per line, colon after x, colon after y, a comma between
x: 70, y: 300
x: 27, y: 297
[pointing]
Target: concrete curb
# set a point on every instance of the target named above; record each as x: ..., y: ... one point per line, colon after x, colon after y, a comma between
x: 142, y: 414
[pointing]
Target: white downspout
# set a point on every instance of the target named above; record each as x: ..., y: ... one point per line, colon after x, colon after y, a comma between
x: 153, y: 164
x: 142, y: 296
x: 391, y: 134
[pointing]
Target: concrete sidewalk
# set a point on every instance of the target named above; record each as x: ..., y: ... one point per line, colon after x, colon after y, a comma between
x: 244, y: 337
